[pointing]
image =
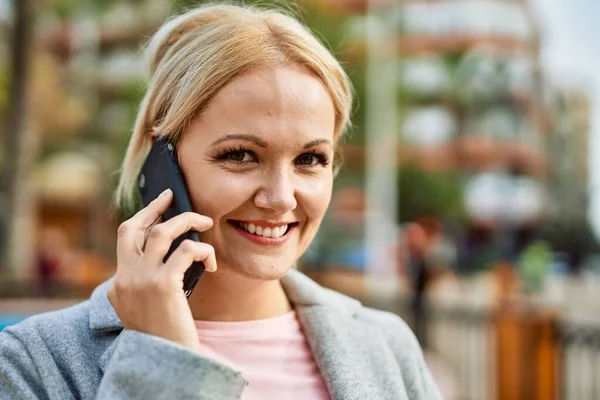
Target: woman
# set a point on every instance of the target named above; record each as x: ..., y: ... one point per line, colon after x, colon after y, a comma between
x: 255, y: 105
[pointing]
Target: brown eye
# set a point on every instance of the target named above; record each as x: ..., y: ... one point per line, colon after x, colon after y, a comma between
x: 312, y: 159
x: 307, y: 159
x: 239, y: 156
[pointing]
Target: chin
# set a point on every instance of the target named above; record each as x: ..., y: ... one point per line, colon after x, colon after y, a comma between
x: 265, y: 270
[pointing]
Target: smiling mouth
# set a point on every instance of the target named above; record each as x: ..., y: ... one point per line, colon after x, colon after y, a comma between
x: 262, y: 231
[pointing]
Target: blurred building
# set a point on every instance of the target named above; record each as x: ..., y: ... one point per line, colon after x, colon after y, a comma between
x: 86, y: 83
x: 470, y: 91
x: 471, y: 96
x: 100, y: 49
x: 568, y: 147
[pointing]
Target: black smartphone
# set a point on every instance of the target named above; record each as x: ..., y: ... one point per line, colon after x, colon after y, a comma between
x: 161, y: 171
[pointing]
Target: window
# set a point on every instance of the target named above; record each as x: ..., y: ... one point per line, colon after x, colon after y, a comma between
x: 484, y: 17
x: 426, y: 76
x: 428, y: 126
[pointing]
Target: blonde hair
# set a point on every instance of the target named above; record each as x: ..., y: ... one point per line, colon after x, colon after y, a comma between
x: 194, y: 55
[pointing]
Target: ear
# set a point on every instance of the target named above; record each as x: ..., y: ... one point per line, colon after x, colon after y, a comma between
x: 153, y: 136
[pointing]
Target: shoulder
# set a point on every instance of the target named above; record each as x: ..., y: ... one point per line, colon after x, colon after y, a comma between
x: 403, y: 345
x: 383, y: 319
x: 57, y: 334
x: 394, y: 329
x: 63, y: 322
x: 91, y: 324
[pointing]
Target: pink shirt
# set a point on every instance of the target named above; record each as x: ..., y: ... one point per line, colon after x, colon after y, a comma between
x: 271, y: 354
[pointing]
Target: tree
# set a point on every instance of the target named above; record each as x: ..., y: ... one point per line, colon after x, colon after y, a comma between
x: 423, y: 193
x: 19, y: 147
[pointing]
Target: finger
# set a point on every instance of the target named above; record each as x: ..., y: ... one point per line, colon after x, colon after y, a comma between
x: 131, y: 232
x: 161, y: 236
x: 149, y: 214
x: 147, y: 233
x: 188, y: 252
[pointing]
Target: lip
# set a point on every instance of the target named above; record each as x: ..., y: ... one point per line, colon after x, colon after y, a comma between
x: 263, y: 240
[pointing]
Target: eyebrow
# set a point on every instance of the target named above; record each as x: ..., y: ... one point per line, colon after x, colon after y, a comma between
x: 241, y: 136
x: 317, y: 142
x: 261, y: 143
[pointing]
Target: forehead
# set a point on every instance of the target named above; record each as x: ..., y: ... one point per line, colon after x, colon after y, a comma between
x: 275, y: 102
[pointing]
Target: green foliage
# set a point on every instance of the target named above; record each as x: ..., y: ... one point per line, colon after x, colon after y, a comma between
x: 357, y: 74
x: 453, y: 58
x: 67, y: 8
x: 3, y: 88
x: 423, y: 193
x: 327, y: 26
x: 289, y: 6
x: 534, y: 263
x: 134, y: 91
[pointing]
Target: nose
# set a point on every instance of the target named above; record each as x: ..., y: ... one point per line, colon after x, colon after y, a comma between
x: 277, y: 194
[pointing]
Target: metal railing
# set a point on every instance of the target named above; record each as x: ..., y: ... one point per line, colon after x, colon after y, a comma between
x: 466, y: 341
x: 463, y: 339
x: 580, y: 353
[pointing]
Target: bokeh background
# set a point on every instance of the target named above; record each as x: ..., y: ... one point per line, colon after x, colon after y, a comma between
x: 467, y: 203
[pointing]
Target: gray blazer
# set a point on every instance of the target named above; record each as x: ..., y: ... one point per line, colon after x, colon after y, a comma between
x: 83, y: 352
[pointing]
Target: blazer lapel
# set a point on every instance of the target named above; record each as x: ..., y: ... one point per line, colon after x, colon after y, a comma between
x: 108, y: 353
x: 352, y: 357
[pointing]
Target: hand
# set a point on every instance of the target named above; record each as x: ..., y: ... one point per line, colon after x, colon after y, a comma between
x: 147, y: 293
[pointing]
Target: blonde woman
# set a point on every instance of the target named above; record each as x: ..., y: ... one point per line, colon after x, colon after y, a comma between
x: 255, y: 106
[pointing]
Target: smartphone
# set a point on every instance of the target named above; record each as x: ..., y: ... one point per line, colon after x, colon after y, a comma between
x: 161, y: 171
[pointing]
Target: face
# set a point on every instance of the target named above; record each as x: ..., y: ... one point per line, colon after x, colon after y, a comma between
x: 258, y: 161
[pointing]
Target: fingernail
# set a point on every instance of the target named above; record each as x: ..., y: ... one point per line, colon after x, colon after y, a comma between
x: 165, y: 192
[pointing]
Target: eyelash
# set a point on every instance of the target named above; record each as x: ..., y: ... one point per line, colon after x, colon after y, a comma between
x: 226, y: 155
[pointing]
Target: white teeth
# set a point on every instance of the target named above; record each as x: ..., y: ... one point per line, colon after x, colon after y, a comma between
x: 267, y: 232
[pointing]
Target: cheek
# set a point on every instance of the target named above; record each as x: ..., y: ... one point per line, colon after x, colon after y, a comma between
x: 315, y: 197
x: 216, y: 194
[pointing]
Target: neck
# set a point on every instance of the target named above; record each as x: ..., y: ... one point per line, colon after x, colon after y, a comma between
x: 226, y: 296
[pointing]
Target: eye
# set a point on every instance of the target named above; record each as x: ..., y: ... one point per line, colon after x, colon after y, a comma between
x: 239, y: 156
x: 312, y: 159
